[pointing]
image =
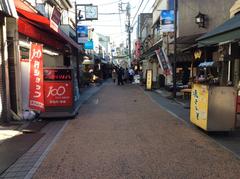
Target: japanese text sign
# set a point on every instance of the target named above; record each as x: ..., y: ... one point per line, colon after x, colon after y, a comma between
x: 199, y: 105
x: 36, y: 97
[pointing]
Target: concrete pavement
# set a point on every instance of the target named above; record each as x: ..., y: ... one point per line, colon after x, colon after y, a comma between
x: 122, y: 133
x: 26, y: 165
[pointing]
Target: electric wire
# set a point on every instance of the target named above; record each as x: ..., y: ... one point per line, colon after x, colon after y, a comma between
x: 135, y: 22
x: 138, y: 10
x: 110, y: 3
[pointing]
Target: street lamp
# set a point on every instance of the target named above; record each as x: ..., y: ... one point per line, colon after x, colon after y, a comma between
x: 200, y: 19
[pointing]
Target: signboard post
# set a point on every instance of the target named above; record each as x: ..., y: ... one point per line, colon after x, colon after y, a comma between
x: 36, y: 96
x: 149, y: 78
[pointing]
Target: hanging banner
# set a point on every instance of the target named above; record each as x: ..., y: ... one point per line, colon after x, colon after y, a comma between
x: 36, y: 97
x: 149, y: 78
x: 163, y: 61
x: 82, y: 34
x: 55, y: 19
x: 167, y: 20
x: 58, y: 93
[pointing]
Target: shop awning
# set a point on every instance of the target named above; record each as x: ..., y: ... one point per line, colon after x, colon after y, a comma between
x: 8, y: 8
x: 227, y: 32
x: 43, y: 23
x: 26, y: 28
x: 187, y: 40
x: 151, y: 51
x: 181, y: 58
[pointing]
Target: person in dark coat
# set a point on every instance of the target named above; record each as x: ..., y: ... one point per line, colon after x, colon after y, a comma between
x: 120, y: 74
x: 186, y: 75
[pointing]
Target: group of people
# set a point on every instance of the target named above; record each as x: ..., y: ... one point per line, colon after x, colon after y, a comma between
x: 121, y: 75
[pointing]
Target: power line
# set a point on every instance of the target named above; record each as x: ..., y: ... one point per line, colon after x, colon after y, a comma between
x: 109, y: 13
x: 134, y: 23
x: 110, y: 3
x: 138, y: 10
x: 106, y: 25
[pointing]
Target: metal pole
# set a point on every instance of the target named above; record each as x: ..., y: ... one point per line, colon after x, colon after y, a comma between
x: 175, y: 49
x: 77, y: 57
x: 129, y: 31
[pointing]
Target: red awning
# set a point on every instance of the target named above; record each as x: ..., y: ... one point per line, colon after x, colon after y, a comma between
x: 41, y: 23
x: 26, y: 28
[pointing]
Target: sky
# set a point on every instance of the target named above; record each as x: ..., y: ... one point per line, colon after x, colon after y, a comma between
x: 113, y: 25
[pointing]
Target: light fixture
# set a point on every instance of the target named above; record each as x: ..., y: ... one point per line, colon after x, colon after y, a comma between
x: 200, y: 19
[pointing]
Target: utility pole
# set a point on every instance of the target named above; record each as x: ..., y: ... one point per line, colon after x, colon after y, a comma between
x: 77, y: 58
x: 129, y: 30
x: 175, y: 49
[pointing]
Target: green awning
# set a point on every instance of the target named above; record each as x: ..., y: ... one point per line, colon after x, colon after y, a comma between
x: 228, y: 31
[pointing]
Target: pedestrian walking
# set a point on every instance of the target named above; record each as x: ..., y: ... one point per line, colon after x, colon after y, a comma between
x: 120, y: 74
x: 131, y: 74
x: 126, y: 76
x: 114, y: 75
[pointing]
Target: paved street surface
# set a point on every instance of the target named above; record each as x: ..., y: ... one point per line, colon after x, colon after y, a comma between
x: 122, y: 133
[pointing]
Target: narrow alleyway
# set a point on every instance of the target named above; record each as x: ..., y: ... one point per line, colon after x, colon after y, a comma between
x: 122, y: 133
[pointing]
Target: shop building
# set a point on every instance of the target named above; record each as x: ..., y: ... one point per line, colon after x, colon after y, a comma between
x: 59, y: 57
x: 188, y: 30
x: 219, y: 83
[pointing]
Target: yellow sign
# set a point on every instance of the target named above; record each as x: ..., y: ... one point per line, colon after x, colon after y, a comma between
x: 199, y: 105
x: 149, y: 80
x: 197, y: 54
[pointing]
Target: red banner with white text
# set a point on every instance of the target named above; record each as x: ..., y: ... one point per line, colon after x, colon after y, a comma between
x: 36, y: 96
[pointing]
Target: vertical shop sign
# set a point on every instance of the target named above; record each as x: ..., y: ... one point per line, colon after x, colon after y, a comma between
x: 163, y: 61
x: 149, y: 79
x: 36, y: 97
x: 55, y: 19
x: 199, y: 105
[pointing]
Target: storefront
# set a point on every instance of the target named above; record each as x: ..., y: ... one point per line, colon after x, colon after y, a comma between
x: 60, y: 82
x: 214, y: 100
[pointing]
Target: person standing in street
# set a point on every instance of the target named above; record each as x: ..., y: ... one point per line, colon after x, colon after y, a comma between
x: 114, y: 75
x: 126, y: 75
x: 120, y: 74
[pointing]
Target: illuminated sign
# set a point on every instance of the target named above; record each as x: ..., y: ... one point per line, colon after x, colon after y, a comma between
x: 149, y: 78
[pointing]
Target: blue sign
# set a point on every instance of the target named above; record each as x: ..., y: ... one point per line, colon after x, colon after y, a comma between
x: 167, y: 20
x: 88, y: 45
x: 82, y: 32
